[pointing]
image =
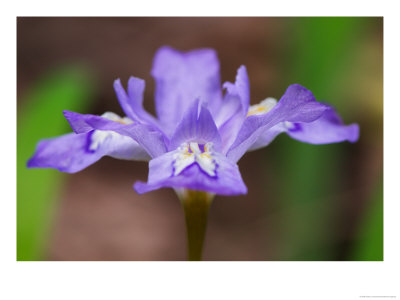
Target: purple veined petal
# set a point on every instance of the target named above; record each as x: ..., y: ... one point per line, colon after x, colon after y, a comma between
x: 125, y: 101
x: 73, y: 152
x: 227, y: 181
x: 77, y: 121
x: 236, y: 99
x: 153, y: 141
x: 329, y: 128
x: 268, y: 136
x: 82, y: 123
x: 181, y: 78
x: 196, y: 125
x: 132, y: 102
x: 297, y: 105
x: 234, y: 109
x: 241, y: 88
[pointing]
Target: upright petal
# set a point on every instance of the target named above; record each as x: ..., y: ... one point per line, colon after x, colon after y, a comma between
x: 240, y: 89
x: 73, y: 152
x: 232, y: 113
x: 196, y: 125
x: 227, y: 181
x: 181, y: 78
x: 125, y: 101
x: 132, y: 102
x: 296, y: 105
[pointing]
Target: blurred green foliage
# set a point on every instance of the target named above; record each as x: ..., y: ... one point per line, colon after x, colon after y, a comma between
x: 319, y: 55
x: 369, y: 245
x: 323, y: 52
x: 64, y: 89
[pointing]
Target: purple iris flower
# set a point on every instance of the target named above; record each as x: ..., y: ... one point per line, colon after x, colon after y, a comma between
x: 200, y: 132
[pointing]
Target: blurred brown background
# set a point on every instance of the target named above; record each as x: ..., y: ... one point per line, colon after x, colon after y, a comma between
x: 98, y: 216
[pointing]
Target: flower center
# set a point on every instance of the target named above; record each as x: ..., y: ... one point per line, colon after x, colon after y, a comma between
x: 98, y: 137
x: 189, y: 153
x: 262, y: 108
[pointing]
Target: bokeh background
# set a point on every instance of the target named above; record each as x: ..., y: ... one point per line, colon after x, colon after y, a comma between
x: 305, y: 202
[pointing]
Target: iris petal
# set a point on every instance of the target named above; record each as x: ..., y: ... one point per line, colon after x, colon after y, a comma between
x: 181, y: 78
x: 228, y: 180
x: 234, y: 109
x: 296, y: 105
x: 196, y: 125
x: 329, y: 128
x: 72, y: 152
x: 150, y: 139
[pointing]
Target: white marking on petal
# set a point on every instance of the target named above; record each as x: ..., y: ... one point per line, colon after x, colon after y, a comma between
x: 262, y: 108
x: 114, y: 117
x: 194, y: 147
x: 100, y: 136
x: 188, y: 154
x: 288, y: 125
x: 182, y: 159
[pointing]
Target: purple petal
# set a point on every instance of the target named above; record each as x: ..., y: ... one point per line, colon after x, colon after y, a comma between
x: 181, y: 78
x: 296, y: 105
x: 268, y: 136
x: 132, y: 103
x: 136, y: 88
x: 228, y: 180
x: 234, y: 109
x: 240, y: 89
x: 150, y: 139
x: 125, y: 101
x: 73, y: 152
x: 196, y: 126
x: 78, y: 121
x: 82, y: 123
x: 329, y: 128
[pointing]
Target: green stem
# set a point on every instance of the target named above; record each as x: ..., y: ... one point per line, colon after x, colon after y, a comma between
x: 196, y: 205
